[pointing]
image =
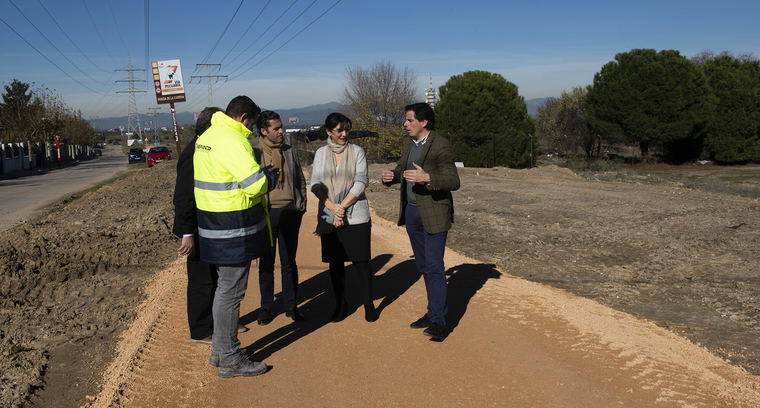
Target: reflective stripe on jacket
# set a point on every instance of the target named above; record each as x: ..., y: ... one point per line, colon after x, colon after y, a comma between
x: 229, y: 192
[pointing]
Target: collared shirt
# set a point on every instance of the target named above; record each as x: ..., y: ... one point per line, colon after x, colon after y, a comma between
x: 414, y: 156
x: 421, y: 142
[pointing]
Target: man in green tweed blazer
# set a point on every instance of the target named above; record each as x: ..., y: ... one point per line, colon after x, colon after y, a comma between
x: 427, y: 175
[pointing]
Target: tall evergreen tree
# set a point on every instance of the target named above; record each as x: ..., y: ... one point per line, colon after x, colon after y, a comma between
x: 17, y: 108
x: 733, y: 132
x: 651, y: 98
x: 485, y: 117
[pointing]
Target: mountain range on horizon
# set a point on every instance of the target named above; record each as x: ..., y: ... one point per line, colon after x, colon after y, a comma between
x: 311, y: 115
x: 306, y: 116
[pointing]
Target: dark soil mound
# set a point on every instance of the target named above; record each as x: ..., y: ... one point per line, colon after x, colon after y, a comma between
x: 69, y: 281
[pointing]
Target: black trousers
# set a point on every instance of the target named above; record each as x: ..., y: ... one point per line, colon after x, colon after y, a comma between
x: 286, y: 222
x: 201, y: 285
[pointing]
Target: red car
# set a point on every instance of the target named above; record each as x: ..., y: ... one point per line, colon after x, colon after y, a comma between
x: 158, y: 154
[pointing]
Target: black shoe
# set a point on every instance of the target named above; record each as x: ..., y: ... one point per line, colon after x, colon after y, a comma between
x: 435, y: 331
x: 341, y: 312
x: 295, y: 314
x: 421, y: 323
x: 265, y: 317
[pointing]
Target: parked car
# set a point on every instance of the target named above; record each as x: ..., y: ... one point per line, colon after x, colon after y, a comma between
x: 136, y: 155
x: 96, y: 151
x: 158, y: 154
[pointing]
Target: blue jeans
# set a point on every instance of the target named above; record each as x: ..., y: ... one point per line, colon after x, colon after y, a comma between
x: 286, y: 222
x: 428, y: 255
x: 230, y: 289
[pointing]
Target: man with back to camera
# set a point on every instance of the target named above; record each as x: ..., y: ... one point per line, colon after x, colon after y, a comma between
x: 287, y: 202
x: 232, y: 223
x: 201, y: 277
x: 427, y: 174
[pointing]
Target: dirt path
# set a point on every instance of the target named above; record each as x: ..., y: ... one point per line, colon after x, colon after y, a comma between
x: 515, y: 343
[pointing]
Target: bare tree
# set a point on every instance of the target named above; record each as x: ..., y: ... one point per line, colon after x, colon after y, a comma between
x: 375, y: 98
x: 380, y: 92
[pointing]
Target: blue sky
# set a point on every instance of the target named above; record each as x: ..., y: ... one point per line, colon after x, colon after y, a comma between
x: 544, y: 47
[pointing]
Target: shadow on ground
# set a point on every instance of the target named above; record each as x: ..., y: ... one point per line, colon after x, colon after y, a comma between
x: 320, y: 303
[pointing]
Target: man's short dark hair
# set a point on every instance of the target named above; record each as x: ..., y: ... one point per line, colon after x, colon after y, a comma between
x: 264, y: 117
x: 422, y: 111
x: 240, y: 105
x: 204, y: 119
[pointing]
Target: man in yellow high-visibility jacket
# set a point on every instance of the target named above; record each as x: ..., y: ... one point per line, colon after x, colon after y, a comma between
x: 230, y: 190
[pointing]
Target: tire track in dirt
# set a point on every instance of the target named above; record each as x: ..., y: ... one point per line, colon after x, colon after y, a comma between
x: 150, y: 322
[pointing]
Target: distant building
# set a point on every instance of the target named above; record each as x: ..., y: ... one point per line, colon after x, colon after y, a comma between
x: 430, y: 93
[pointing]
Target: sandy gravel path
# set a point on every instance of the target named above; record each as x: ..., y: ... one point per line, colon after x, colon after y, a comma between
x: 515, y: 343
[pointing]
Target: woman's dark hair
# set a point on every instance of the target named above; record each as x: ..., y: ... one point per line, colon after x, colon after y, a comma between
x: 334, y: 120
x: 264, y: 117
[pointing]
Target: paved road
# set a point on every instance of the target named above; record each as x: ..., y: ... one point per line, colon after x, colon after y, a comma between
x: 21, y: 198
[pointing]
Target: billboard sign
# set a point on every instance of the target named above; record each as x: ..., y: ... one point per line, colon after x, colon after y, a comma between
x: 167, y: 79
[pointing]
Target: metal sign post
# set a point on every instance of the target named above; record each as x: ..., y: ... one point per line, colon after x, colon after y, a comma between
x: 167, y: 79
x: 176, y: 133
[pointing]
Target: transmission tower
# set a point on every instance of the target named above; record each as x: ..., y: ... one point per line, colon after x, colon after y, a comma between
x: 430, y: 93
x: 133, y: 116
x: 154, y: 113
x: 209, y: 77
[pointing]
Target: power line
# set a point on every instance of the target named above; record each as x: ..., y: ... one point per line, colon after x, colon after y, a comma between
x: 147, y: 40
x: 67, y: 36
x: 276, y: 36
x: 246, y: 30
x: 209, y: 77
x: 289, y: 40
x: 97, y: 102
x: 154, y: 112
x: 97, y: 106
x: 223, y: 32
x: 194, y: 104
x: 48, y: 59
x: 92, y: 20
x: 133, y: 116
x: 51, y: 43
x: 265, y: 31
x: 116, y: 26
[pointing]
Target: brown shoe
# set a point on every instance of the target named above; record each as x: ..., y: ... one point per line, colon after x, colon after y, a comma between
x: 207, y: 340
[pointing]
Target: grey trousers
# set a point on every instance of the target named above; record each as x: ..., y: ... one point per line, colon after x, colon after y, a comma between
x: 230, y: 289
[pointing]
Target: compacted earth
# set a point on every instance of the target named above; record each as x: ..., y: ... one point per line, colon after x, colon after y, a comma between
x: 686, y: 259
x: 682, y: 258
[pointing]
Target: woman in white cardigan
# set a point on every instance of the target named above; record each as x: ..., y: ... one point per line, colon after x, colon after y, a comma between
x: 338, y: 179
